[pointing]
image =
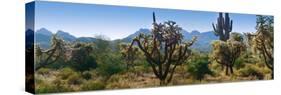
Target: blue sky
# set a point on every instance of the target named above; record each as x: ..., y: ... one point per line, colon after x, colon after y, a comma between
x: 115, y: 22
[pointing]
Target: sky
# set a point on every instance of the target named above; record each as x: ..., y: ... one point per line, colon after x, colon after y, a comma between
x: 115, y: 22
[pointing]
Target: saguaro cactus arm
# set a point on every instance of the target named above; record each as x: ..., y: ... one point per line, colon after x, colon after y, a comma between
x: 228, y: 23
x: 223, y: 26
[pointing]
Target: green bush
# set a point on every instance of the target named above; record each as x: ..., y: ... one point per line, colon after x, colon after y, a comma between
x: 239, y: 63
x: 87, y: 75
x: 109, y: 69
x: 111, y: 66
x: 51, y: 88
x: 199, y: 68
x: 252, y: 70
x: 70, y: 76
x: 64, y: 73
x: 74, y: 79
x: 60, y: 63
x: 88, y: 63
x: 93, y: 85
x: 43, y: 71
x: 81, y: 57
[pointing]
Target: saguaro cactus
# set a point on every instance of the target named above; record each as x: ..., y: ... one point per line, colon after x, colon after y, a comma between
x: 223, y: 27
x: 164, y: 49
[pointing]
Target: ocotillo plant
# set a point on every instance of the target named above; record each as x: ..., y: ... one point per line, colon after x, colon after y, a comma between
x: 223, y: 27
x: 164, y: 49
x: 262, y: 41
x: 46, y: 57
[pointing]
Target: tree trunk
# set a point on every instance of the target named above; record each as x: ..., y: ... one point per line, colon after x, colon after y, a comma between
x: 226, y: 70
x: 231, y: 69
x: 162, y: 82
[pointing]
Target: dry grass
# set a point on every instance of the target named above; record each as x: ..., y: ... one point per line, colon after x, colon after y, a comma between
x: 48, y: 80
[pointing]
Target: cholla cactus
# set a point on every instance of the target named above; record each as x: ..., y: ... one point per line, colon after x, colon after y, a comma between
x: 223, y: 27
x: 129, y: 54
x: 49, y: 56
x: 226, y: 53
x: 262, y: 41
x: 164, y: 49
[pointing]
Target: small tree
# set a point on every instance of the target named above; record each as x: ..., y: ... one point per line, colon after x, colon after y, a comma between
x: 226, y: 53
x: 81, y: 57
x: 102, y: 49
x: 198, y: 66
x: 164, y: 49
x: 262, y: 41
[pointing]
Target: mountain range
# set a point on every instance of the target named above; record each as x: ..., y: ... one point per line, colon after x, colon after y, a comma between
x: 203, y: 43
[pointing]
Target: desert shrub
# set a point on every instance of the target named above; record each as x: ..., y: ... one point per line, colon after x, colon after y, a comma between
x: 111, y: 66
x: 43, y: 71
x: 64, y: 73
x: 251, y: 70
x: 88, y: 63
x: 108, y: 62
x: 93, y: 85
x: 198, y: 68
x: 118, y: 85
x: 38, y: 81
x: 70, y: 76
x: 74, y: 79
x: 120, y: 80
x: 109, y: 69
x: 87, y: 75
x: 60, y: 63
x: 245, y: 58
x: 239, y: 63
x: 145, y: 65
x: 51, y: 88
x: 59, y: 82
x: 82, y: 58
x: 216, y: 68
x: 45, y: 88
x: 101, y: 49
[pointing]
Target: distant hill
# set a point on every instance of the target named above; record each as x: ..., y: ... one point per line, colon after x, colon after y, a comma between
x: 66, y: 36
x: 204, y: 40
x: 86, y: 39
x: 132, y: 36
x: 203, y: 43
x: 43, y: 37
